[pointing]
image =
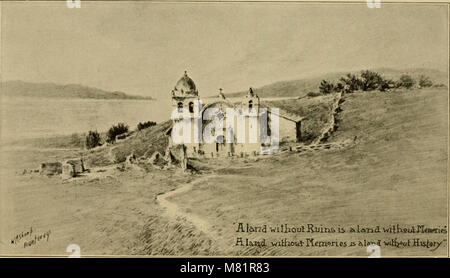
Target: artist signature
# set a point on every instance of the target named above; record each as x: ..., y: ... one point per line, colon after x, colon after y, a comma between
x: 30, y: 237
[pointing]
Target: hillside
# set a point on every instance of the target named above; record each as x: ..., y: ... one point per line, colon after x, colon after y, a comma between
x: 51, y: 90
x: 300, y: 87
x: 140, y: 143
x: 395, y: 174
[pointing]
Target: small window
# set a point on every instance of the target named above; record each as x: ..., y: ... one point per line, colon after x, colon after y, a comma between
x: 250, y: 105
x: 191, y: 107
x: 180, y: 107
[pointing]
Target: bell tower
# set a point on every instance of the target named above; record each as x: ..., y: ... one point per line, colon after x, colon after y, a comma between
x: 250, y: 103
x: 185, y: 102
x: 184, y: 94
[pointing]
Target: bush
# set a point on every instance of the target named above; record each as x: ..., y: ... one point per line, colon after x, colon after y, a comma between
x: 326, y: 87
x: 440, y: 85
x: 351, y: 83
x: 312, y: 94
x: 386, y: 84
x: 145, y: 125
x: 370, y: 80
x: 405, y: 81
x: 115, y: 130
x: 92, y: 139
x: 339, y: 87
x: 424, y: 81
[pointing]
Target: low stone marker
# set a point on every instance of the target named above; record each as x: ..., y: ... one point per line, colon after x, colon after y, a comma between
x: 130, y: 160
x: 68, y: 171
x: 71, y: 168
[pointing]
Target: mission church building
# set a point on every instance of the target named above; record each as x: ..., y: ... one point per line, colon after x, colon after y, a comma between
x: 229, y: 142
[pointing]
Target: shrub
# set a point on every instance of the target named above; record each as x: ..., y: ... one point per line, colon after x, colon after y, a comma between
x: 405, y: 81
x: 424, y: 81
x: 339, y: 87
x: 115, y: 130
x: 326, y: 87
x: 351, y: 83
x: 312, y: 94
x: 92, y: 139
x: 440, y: 85
x: 386, y: 84
x: 145, y: 125
x: 370, y: 80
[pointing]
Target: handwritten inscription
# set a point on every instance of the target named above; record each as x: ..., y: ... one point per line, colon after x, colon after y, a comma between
x: 30, y: 238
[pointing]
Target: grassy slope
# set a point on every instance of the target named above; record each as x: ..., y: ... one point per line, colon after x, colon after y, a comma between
x: 395, y: 174
x: 104, y: 216
x: 144, y: 142
x: 300, y: 87
x: 112, y: 214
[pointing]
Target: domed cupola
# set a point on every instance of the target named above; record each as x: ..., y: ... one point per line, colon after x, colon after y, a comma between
x: 185, y: 87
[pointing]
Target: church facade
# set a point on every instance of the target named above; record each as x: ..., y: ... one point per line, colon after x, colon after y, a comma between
x: 221, y: 127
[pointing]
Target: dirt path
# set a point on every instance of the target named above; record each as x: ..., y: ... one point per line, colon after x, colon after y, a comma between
x: 173, y: 211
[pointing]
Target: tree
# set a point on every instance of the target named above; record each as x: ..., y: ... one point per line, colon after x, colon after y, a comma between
x: 92, y: 139
x: 370, y: 80
x: 424, y: 81
x: 115, y: 130
x: 326, y: 87
x: 406, y: 81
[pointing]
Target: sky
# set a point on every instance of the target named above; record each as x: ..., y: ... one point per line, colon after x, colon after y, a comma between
x: 143, y: 48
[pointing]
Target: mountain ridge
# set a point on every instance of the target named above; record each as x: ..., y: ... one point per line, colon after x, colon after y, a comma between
x: 19, y: 88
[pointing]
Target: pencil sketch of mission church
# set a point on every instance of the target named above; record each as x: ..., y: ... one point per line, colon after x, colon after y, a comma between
x: 248, y: 137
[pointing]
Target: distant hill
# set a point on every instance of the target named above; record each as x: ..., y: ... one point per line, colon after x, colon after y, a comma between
x: 51, y: 90
x: 300, y: 87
